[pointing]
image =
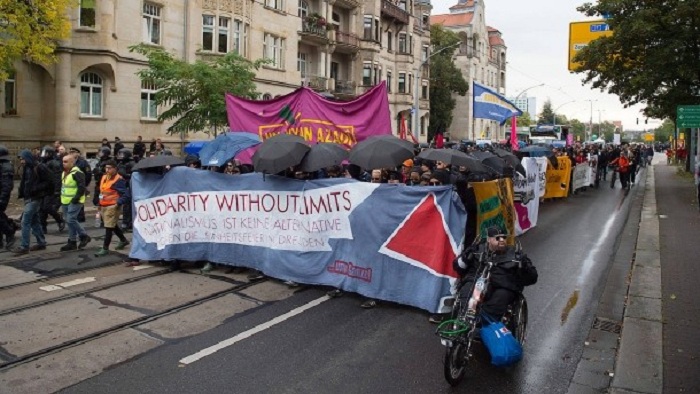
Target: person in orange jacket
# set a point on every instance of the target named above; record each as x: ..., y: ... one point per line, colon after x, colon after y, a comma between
x: 623, y: 167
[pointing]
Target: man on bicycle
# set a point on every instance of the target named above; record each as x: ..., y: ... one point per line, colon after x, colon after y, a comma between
x: 512, y: 270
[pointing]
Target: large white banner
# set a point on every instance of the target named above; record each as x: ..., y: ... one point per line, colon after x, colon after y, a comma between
x: 527, y: 199
x: 581, y: 176
x: 542, y: 163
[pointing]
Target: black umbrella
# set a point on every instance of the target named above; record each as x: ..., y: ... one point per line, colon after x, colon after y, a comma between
x: 280, y: 152
x: 511, y: 159
x: 158, y: 161
x: 384, y: 151
x: 495, y: 163
x: 323, y: 155
x: 454, y: 157
x: 540, y: 151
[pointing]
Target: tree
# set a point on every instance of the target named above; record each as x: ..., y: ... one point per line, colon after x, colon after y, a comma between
x: 30, y: 30
x: 523, y: 120
x: 445, y: 79
x: 547, y: 114
x: 664, y: 132
x: 578, y: 129
x: 195, y: 92
x: 651, y: 57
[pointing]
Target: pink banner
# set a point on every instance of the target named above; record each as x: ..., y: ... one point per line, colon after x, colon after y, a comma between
x: 305, y: 113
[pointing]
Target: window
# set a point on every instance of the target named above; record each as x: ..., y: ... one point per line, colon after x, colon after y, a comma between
x: 151, y: 23
x: 377, y: 74
x: 240, y: 37
x: 275, y: 4
x: 207, y: 32
x: 11, y: 95
x: 267, y: 96
x: 389, y: 41
x: 334, y: 70
x: 402, y: 5
x: 388, y: 81
x: 273, y: 49
x: 410, y: 83
x: 367, y: 74
x: 303, y: 9
x: 87, y: 13
x: 377, y: 30
x: 402, y: 82
x: 90, y: 95
x: 149, y: 110
x: 403, y: 46
x: 424, y: 90
x: 301, y: 63
x: 367, y: 24
x: 223, y: 34
x: 424, y: 53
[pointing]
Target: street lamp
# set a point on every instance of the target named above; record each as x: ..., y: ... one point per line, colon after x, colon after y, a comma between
x: 554, y: 113
x: 599, y: 121
x: 590, y: 122
x: 416, y: 89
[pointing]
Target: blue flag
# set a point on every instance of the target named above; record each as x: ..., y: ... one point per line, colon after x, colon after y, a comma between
x: 491, y: 105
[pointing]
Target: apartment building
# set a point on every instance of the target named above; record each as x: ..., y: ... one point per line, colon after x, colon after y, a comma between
x: 339, y: 48
x: 482, y: 58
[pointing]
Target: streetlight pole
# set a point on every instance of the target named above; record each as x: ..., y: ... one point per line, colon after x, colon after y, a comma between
x: 514, y: 120
x: 554, y: 113
x: 599, y: 121
x: 416, y: 88
x: 590, y: 122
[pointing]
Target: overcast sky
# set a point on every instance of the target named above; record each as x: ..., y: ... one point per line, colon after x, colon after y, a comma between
x: 536, y: 33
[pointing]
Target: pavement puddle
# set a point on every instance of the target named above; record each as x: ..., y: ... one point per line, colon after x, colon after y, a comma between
x: 571, y: 304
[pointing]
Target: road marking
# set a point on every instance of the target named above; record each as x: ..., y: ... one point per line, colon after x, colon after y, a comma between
x: 76, y: 282
x: 50, y: 288
x: 61, y: 286
x: 247, y: 334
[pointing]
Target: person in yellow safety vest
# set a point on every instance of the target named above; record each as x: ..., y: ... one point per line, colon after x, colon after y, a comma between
x: 72, y: 200
x: 113, y: 194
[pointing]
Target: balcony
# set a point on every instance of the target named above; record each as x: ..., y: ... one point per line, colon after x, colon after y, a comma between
x: 345, y: 88
x: 392, y: 11
x: 315, y: 82
x: 313, y: 32
x: 346, y: 42
x: 348, y: 4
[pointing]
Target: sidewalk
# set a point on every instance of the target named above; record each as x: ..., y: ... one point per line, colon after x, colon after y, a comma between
x: 644, y: 338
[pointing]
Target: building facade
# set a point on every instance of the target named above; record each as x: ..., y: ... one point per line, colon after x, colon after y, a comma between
x: 482, y: 58
x: 336, y: 47
x: 526, y: 104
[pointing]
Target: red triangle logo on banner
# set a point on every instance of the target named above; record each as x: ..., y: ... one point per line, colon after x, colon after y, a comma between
x: 422, y: 240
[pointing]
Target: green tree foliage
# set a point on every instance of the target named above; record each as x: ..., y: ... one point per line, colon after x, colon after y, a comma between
x: 547, y: 114
x: 30, y: 30
x: 445, y: 79
x: 194, y: 93
x: 523, y: 120
x: 664, y: 132
x: 652, y: 56
x: 578, y: 128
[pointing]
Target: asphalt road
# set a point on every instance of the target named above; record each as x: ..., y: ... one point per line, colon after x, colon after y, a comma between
x: 336, y: 346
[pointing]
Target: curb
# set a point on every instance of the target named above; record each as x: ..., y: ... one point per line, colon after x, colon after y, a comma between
x: 639, y: 364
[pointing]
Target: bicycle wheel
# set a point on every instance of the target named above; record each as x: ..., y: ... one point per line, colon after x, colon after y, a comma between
x: 456, y: 358
x: 518, y: 322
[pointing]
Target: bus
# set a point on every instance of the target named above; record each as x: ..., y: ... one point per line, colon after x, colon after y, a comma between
x: 520, y: 135
x: 547, y: 133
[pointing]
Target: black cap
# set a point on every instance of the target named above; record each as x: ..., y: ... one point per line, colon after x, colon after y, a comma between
x: 72, y: 149
x: 495, y: 230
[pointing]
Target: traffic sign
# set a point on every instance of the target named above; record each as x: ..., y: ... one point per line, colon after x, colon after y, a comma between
x: 688, y: 116
x: 581, y: 34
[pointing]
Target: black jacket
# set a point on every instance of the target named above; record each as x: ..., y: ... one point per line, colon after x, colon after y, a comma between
x: 139, y: 149
x: 6, y: 183
x: 36, y: 180
x: 512, y: 271
x: 117, y: 147
x: 56, y: 169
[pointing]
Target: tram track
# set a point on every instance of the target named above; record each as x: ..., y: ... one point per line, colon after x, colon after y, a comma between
x: 12, y: 363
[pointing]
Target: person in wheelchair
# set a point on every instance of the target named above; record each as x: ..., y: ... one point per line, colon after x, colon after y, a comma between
x: 512, y: 270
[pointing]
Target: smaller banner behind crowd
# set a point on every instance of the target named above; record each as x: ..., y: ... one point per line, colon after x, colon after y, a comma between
x: 306, y: 114
x: 383, y: 241
x: 494, y: 205
x: 527, y: 191
x: 558, y: 179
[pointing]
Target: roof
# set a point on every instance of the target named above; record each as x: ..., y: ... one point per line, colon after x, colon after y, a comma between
x: 466, y: 4
x: 452, y: 19
x: 492, y: 29
x: 496, y: 40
